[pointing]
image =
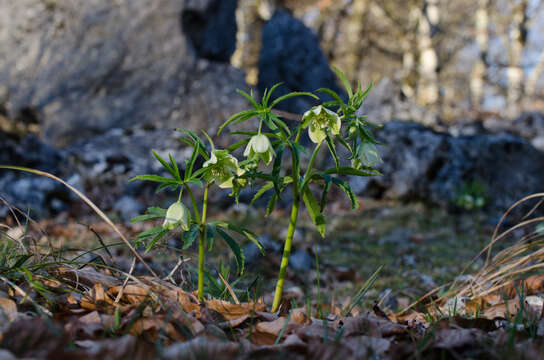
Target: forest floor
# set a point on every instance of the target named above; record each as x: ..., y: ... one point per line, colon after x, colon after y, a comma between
x: 60, y: 300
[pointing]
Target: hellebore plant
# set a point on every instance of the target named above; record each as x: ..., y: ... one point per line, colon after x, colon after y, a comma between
x: 220, y: 168
x: 324, y: 123
x: 331, y: 122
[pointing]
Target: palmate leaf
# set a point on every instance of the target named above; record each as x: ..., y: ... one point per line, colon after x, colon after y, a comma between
x: 246, y: 114
x: 267, y: 94
x: 313, y: 209
x: 236, y: 250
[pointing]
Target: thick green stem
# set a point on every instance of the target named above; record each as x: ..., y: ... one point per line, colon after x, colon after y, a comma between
x: 286, y: 253
x: 202, y: 245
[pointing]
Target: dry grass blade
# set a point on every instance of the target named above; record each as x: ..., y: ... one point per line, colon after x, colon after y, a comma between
x: 229, y: 288
x: 88, y: 202
x: 509, y: 264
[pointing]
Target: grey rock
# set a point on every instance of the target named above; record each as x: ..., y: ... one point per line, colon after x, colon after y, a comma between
x: 397, y: 236
x: 300, y: 260
x: 253, y: 254
x: 41, y: 195
x: 291, y: 54
x: 86, y: 66
x: 128, y: 207
x: 421, y: 164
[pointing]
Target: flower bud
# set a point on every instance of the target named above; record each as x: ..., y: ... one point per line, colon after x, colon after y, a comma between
x: 177, y: 214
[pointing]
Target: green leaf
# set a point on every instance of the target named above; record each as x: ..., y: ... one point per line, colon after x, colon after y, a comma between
x: 280, y: 123
x: 191, y: 162
x: 144, y: 217
x: 210, y: 235
x: 188, y: 237
x: 344, y: 185
x: 332, y: 149
x: 242, y: 231
x: 248, y: 97
x: 290, y: 95
x: 325, y: 192
x: 267, y: 186
x: 271, y: 204
x: 237, y: 145
x: 156, y: 178
x: 175, y: 168
x: 266, y: 96
x: 313, y: 209
x: 344, y: 142
x: 344, y: 81
x: 157, y: 237
x: 149, y: 233
x: 237, y: 251
x: 348, y: 170
x: 338, y: 100
x: 246, y: 114
x: 164, y: 164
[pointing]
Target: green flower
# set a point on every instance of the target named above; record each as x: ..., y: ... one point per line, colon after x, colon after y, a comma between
x: 221, y: 168
x: 259, y: 147
x: 319, y: 119
x: 366, y: 155
x: 177, y: 214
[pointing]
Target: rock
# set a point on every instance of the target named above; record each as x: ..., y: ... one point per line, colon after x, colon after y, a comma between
x: 211, y: 28
x: 128, y: 208
x: 253, y: 254
x: 291, y: 54
x: 83, y: 67
x: 43, y: 196
x: 421, y: 164
x: 300, y: 260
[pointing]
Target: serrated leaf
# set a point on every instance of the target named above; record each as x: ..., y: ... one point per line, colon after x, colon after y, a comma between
x: 188, y: 237
x: 144, y: 217
x: 157, y: 237
x: 237, y: 251
x: 271, y: 204
x: 345, y: 186
x: 325, y: 192
x: 210, y: 235
x: 267, y: 186
x: 313, y: 209
x: 248, y: 97
x: 332, y: 149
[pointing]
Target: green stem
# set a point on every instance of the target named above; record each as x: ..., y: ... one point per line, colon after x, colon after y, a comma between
x: 286, y: 253
x: 195, y: 206
x: 202, y: 245
x: 312, y: 161
x: 290, y: 234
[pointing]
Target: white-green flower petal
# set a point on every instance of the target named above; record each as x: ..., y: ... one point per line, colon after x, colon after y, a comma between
x: 221, y: 168
x: 368, y: 154
x: 259, y: 147
x: 177, y: 215
x: 319, y: 119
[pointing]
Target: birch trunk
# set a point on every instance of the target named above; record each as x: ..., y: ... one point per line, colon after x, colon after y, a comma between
x: 428, y: 88
x: 479, y: 71
x: 514, y: 72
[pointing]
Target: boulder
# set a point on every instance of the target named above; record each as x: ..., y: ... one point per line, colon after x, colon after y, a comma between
x: 291, y: 54
x: 41, y: 195
x: 421, y: 164
x: 82, y: 67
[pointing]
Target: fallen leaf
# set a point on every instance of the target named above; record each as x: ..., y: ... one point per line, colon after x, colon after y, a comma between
x: 234, y: 311
x: 8, y: 310
x: 201, y: 348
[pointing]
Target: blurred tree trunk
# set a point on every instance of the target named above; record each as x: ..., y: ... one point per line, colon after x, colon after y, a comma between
x: 250, y: 18
x: 532, y: 81
x: 480, y: 68
x: 428, y: 87
x: 517, y: 37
